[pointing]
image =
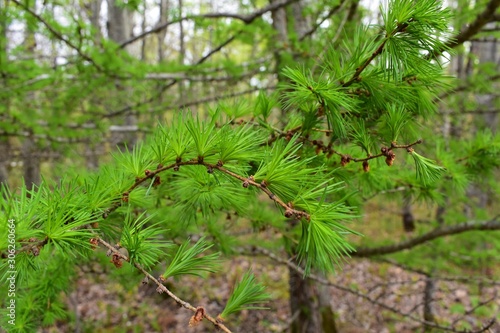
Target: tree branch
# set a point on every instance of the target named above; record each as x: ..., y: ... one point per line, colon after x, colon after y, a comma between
x: 483, y: 18
x: 493, y: 224
x: 247, y: 19
x: 486, y: 16
x: 330, y: 13
x: 57, y: 34
x: 161, y: 288
x: 465, y: 87
x: 246, y: 182
x: 345, y: 158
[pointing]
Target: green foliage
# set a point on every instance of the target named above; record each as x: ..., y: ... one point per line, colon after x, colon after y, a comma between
x: 187, y: 260
x: 427, y: 170
x: 203, y: 135
x: 240, y: 144
x: 303, y: 90
x: 135, y: 162
x: 323, y: 241
x: 396, y: 119
x: 264, y: 105
x: 246, y: 294
x: 142, y: 241
x: 196, y: 190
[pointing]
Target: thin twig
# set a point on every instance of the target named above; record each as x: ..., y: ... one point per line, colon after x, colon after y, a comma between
x: 492, y: 224
x: 57, y: 34
x: 247, y: 19
x: 162, y: 287
x: 482, y: 19
x: 330, y: 13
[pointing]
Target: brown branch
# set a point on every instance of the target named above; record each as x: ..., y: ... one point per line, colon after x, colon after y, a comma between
x: 247, y: 19
x: 464, y: 88
x: 467, y: 279
x: 478, y: 305
x: 210, y: 167
x: 478, y: 112
x: 483, y: 18
x: 330, y: 13
x: 57, y: 34
x: 289, y: 211
x: 162, y: 288
x: 493, y: 224
x: 218, y: 48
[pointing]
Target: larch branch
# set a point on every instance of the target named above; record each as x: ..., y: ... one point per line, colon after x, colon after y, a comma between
x: 164, y: 289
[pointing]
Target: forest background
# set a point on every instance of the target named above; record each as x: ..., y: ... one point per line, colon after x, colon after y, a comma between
x: 86, y: 86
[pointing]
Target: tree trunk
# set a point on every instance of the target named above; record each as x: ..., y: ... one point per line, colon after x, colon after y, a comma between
x: 94, y: 7
x: 31, y: 163
x: 407, y: 215
x: 4, y: 141
x: 164, y: 8
x: 120, y: 23
x: 310, y: 306
x: 430, y: 286
x: 304, y: 304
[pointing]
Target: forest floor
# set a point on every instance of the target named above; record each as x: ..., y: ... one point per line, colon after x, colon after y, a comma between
x: 101, y: 303
x: 106, y: 299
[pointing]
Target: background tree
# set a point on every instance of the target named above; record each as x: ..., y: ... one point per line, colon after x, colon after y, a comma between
x: 350, y: 99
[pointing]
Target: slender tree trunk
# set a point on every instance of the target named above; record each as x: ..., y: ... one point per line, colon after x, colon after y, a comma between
x: 325, y: 309
x: 4, y: 141
x: 31, y: 162
x: 120, y: 29
x: 281, y: 38
x: 429, y: 316
x: 94, y: 7
x: 182, y: 53
x: 143, y: 28
x: 407, y: 214
x: 486, y: 52
x: 164, y: 7
x: 440, y: 213
x: 304, y: 302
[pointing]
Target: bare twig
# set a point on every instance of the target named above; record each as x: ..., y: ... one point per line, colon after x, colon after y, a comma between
x: 57, y: 34
x: 247, y: 19
x: 493, y: 224
x: 330, y: 13
x: 483, y: 18
x: 479, y: 304
x: 162, y: 287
